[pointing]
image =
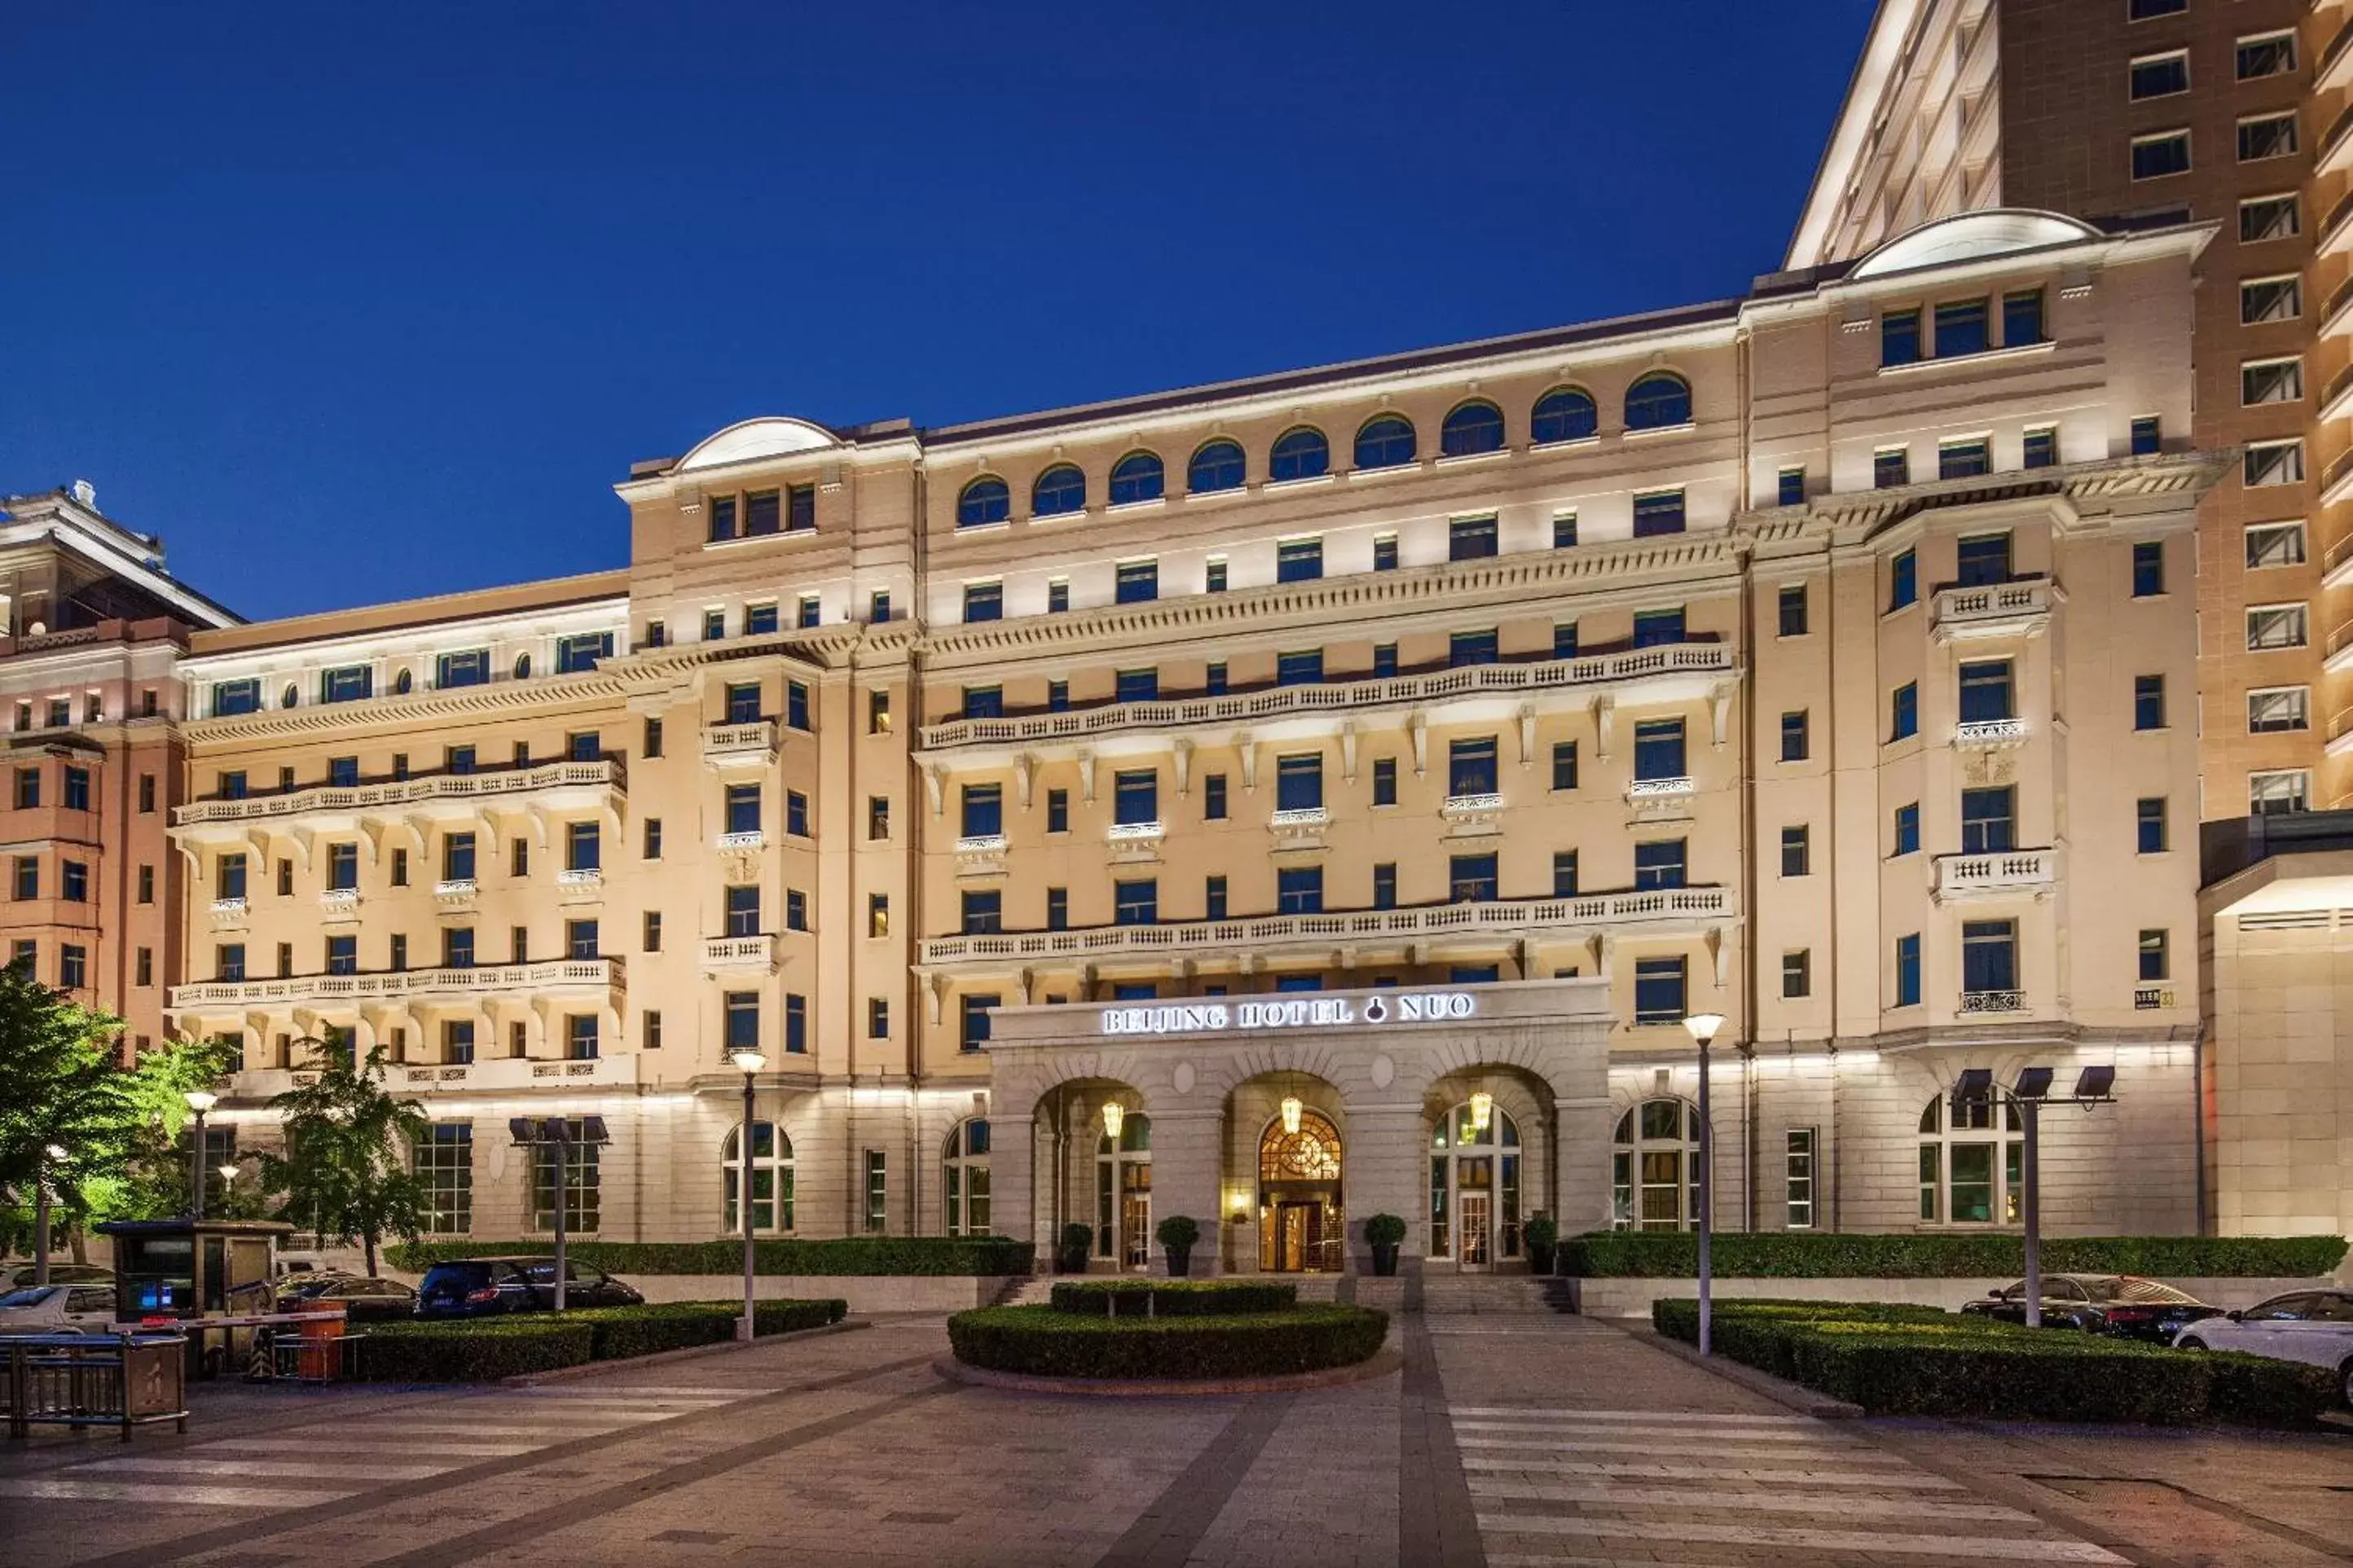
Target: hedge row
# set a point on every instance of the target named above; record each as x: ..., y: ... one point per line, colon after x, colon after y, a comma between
x: 1044, y: 1342
x: 1171, y: 1299
x: 1811, y: 1255
x: 483, y: 1350
x: 849, y: 1255
x: 1916, y: 1361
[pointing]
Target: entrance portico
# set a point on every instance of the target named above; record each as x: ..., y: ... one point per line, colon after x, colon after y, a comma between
x: 1280, y: 1124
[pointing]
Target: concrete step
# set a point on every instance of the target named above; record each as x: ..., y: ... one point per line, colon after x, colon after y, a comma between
x: 1481, y: 1294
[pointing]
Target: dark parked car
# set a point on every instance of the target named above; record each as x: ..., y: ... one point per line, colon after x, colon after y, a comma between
x: 363, y: 1301
x: 485, y: 1287
x: 2124, y: 1305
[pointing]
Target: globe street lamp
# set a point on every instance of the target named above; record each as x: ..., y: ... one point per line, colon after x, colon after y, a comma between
x: 747, y: 1062
x: 1703, y: 1027
x: 200, y: 1101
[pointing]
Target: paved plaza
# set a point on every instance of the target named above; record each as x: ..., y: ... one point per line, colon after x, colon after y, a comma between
x: 1507, y: 1439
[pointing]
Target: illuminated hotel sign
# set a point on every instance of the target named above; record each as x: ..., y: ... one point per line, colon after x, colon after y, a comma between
x: 1290, y: 1012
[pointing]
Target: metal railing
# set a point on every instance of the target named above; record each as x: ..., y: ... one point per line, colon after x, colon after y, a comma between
x: 562, y: 974
x: 122, y: 1380
x: 606, y: 772
x: 1993, y: 1001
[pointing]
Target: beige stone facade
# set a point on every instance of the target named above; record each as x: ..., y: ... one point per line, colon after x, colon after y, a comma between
x: 1601, y: 676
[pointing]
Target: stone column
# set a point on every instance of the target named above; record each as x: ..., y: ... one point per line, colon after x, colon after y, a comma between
x: 1586, y: 1126
x: 1187, y: 1165
x: 1385, y: 1169
x: 1013, y: 1170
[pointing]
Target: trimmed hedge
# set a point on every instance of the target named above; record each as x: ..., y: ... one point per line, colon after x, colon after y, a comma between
x: 1043, y: 1343
x: 1808, y: 1255
x: 975, y: 1256
x: 1916, y: 1361
x: 1171, y: 1299
x: 483, y: 1350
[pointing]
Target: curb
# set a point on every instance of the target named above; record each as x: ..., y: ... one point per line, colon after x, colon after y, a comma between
x: 1381, y: 1364
x: 1780, y: 1391
x: 684, y: 1352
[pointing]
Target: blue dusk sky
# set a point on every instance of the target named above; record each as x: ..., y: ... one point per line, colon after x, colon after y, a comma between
x: 358, y: 302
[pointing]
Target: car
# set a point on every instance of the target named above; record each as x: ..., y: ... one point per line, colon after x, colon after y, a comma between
x: 2313, y: 1326
x: 485, y: 1287
x: 2124, y: 1306
x: 364, y: 1299
x: 16, y: 1276
x: 59, y: 1310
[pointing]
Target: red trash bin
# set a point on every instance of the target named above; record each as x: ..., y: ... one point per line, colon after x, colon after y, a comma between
x: 322, y: 1326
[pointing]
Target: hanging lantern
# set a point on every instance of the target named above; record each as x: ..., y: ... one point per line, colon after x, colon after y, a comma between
x: 1291, y: 1111
x: 1115, y: 1116
x: 1482, y: 1111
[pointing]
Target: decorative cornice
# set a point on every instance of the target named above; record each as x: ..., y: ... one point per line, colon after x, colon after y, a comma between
x: 498, y: 700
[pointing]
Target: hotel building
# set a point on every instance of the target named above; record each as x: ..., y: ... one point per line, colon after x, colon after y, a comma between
x: 1298, y: 798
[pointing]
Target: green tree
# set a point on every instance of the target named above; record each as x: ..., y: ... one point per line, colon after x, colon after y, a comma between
x: 345, y: 1171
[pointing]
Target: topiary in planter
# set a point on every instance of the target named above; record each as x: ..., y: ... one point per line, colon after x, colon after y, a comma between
x: 1077, y: 1242
x: 1384, y: 1233
x: 1542, y: 1237
x: 1177, y: 1234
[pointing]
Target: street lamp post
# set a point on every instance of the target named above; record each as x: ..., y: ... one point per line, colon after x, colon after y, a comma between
x: 2094, y: 1086
x: 747, y: 1062
x: 200, y: 1101
x: 1703, y: 1027
x: 559, y: 1134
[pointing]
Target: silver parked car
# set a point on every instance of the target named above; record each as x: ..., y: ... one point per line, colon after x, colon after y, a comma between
x: 58, y: 1309
x: 2312, y: 1326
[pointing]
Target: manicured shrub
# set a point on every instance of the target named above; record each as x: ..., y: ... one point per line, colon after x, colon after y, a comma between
x: 624, y: 1331
x: 1043, y: 1343
x: 851, y: 1254
x: 1384, y: 1230
x: 1171, y: 1299
x: 2250, y: 1391
x: 483, y: 1350
x: 1804, y: 1254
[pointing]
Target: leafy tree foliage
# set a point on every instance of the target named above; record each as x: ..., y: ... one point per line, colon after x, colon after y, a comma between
x: 345, y: 1171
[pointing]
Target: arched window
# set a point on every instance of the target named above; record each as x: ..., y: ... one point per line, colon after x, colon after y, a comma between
x: 1123, y: 1192
x: 1385, y: 442
x: 1059, y: 490
x: 1309, y: 1155
x: 1135, y: 476
x: 966, y: 1186
x: 1563, y: 413
x: 986, y: 499
x: 289, y: 697
x: 401, y: 683
x: 1300, y: 454
x: 1970, y: 1173
x: 772, y: 1179
x: 1474, y: 1184
x: 1218, y: 466
x: 1657, y: 402
x: 1475, y: 426
x: 1654, y: 1171
x: 1301, y: 1222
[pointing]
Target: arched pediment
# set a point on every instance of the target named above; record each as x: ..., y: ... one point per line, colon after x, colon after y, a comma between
x: 1966, y: 237
x: 775, y: 437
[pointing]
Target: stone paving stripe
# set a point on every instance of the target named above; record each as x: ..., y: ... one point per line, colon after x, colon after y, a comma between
x: 166, y: 1493
x: 1891, y: 1480
x: 198, y: 1542
x: 1643, y: 1418
x: 356, y: 1443
x: 1438, y: 1524
x: 1976, y: 1548
x: 1568, y: 1426
x: 323, y: 1470
x: 1172, y: 1524
x: 1762, y: 1502
x: 681, y: 1390
x: 1751, y: 1453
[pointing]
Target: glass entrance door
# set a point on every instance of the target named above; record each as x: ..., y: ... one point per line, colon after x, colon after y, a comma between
x: 1136, y: 1225
x: 1476, y: 1219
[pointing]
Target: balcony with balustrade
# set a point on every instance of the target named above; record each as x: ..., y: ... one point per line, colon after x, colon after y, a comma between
x: 2016, y: 609
x: 438, y: 797
x: 1999, y: 874
x: 1423, y: 933
x: 599, y: 980
x: 501, y: 1076
x: 746, y: 745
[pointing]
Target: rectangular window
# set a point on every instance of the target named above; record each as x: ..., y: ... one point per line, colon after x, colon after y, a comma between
x: 1136, y: 685
x: 1057, y: 596
x: 1793, y: 737
x: 1907, y: 971
x: 744, y: 705
x: 583, y: 1205
x: 2161, y: 153
x: 2021, y: 318
x: 1891, y: 467
x: 1908, y: 829
x: 584, y: 846
x: 1385, y: 781
x: 342, y: 868
x: 2271, y: 381
x: 1213, y: 680
x: 1983, y: 559
x: 1797, y: 851
x: 1472, y: 879
x: 1470, y: 767
x: 1904, y: 580
x: 1136, y: 797
x: 878, y: 1017
x: 1659, y: 990
x: 1213, y: 576
x: 1299, y: 783
x: 2149, y: 835
x: 715, y: 625
x: 2147, y: 436
x: 1470, y: 647
x: 1797, y: 973
x: 761, y: 513
x: 1961, y: 327
x: 1658, y: 512
x: 1564, y: 531
x: 800, y: 507
x: 1469, y: 538
x: 1135, y: 903
x: 1989, y: 820
x: 346, y: 683
x: 2265, y: 55
x: 1301, y: 669
x: 983, y: 601
x: 2275, y: 545
x: 1299, y: 890
x: 796, y: 909
x: 1964, y: 459
x: 2040, y: 447
x: 1659, y: 750
x: 796, y: 1022
x: 972, y: 1021
x: 1058, y: 908
x: 1384, y: 660
x: 457, y: 947
x: 1791, y: 489
x: 2146, y: 10
x: 742, y: 910
x: 1986, y: 692
x: 1661, y: 863
x: 74, y: 881
x: 2279, y: 708
x: 1899, y: 337
x: 229, y: 698
x: 1797, y: 1179
x: 343, y: 955
x: 878, y: 712
x: 441, y: 1157
x: 1563, y: 874
x: 2279, y: 299
x: 1137, y: 582
x: 760, y: 620
x: 1655, y: 629
x: 2269, y: 217
x: 984, y: 911
x: 1989, y: 956
x: 27, y: 882
x: 1385, y: 885
x: 1385, y: 553
x: 2149, y: 702
x: 1058, y: 810
x: 146, y: 884
x: 984, y: 702
x: 73, y: 965
x: 1563, y: 765
x: 470, y: 667
x: 796, y: 706
x: 653, y: 838
x: 2275, y: 626
x: 1903, y: 712
x: 1213, y: 797
x: 2272, y: 463
x: 651, y: 939
x: 739, y: 1020
x: 1298, y: 560
x: 2147, y: 569
x: 1213, y: 897
x: 2160, y: 76
x: 343, y: 772
x: 581, y: 651
x: 2156, y: 960
x: 580, y: 939
x: 878, y: 1193
x: 1793, y: 610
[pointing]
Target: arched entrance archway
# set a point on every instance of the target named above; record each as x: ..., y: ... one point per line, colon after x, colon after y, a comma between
x: 1476, y: 1167
x: 1302, y: 1227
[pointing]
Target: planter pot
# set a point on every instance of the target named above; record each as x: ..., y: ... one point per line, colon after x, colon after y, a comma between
x: 1180, y: 1262
x: 1385, y: 1258
x: 1540, y: 1258
x: 1073, y: 1260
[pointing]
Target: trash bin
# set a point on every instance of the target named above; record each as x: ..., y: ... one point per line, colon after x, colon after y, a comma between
x: 322, y: 1334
